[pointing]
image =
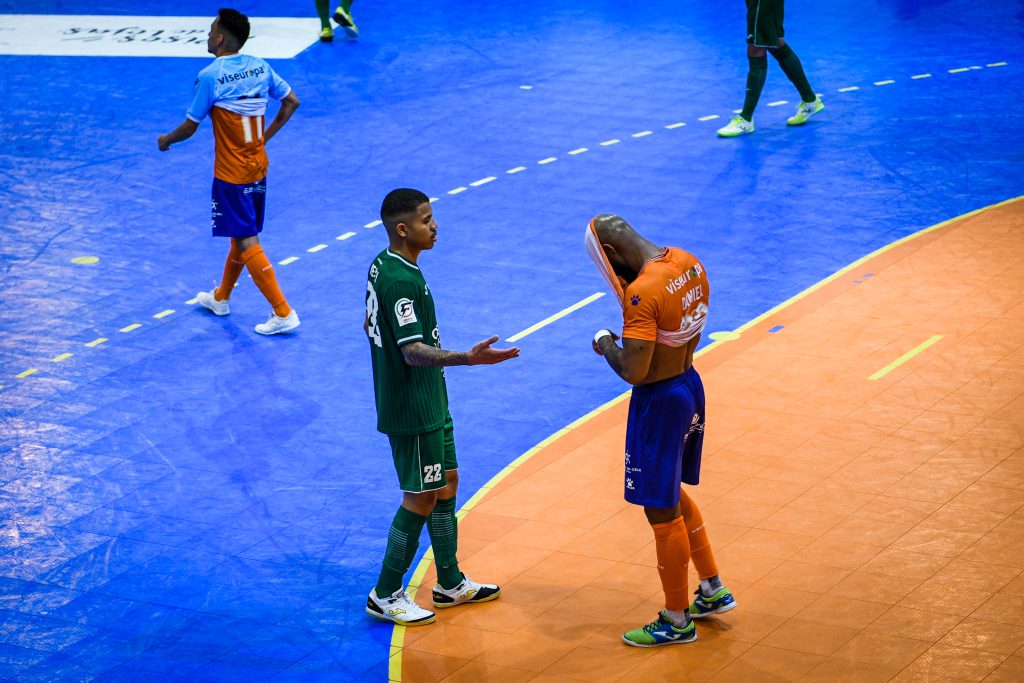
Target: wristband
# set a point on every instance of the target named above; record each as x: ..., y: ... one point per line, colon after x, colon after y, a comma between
x: 602, y: 333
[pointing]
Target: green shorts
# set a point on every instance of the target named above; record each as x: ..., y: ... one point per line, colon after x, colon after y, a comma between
x: 421, y: 460
x: 764, y: 22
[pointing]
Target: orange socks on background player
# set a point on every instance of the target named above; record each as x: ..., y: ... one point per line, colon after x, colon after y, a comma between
x: 284, y: 318
x: 263, y: 275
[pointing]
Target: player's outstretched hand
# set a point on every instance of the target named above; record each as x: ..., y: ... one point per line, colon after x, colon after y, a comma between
x: 483, y: 353
x: 162, y: 143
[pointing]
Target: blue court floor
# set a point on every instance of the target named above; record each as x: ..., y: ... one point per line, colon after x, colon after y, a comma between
x: 189, y: 500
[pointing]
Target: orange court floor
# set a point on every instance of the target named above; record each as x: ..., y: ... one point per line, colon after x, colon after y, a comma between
x: 863, y: 487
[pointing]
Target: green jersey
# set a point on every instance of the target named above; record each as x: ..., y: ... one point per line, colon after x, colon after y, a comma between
x: 400, y: 310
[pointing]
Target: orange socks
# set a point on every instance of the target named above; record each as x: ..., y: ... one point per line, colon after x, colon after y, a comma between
x: 700, y: 546
x: 232, y: 269
x: 263, y: 275
x: 672, y: 543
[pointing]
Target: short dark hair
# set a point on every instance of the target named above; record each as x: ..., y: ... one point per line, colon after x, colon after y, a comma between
x: 399, y: 204
x: 234, y: 22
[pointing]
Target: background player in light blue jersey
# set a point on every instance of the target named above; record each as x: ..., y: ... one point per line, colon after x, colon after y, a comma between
x: 234, y: 91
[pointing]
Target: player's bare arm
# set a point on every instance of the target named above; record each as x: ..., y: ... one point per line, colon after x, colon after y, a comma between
x: 631, y: 361
x: 483, y: 353
x: 183, y: 132
x: 288, y: 106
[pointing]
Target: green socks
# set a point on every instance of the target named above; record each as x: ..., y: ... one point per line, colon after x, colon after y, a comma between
x: 794, y: 71
x: 444, y: 537
x: 346, y: 5
x: 403, y: 541
x: 755, y: 83
x: 323, y: 10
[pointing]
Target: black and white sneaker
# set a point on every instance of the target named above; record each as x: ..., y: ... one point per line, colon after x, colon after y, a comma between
x: 398, y: 608
x: 469, y: 591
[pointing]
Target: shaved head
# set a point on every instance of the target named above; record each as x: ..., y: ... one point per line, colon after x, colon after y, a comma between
x: 627, y: 250
x: 612, y: 229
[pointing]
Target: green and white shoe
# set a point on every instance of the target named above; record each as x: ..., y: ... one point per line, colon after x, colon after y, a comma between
x: 804, y: 111
x: 738, y: 126
x: 327, y: 35
x: 661, y: 631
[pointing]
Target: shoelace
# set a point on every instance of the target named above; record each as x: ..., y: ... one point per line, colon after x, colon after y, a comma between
x: 654, y: 624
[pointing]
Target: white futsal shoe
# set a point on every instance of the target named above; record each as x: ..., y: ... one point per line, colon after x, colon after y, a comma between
x: 399, y: 608
x: 469, y: 591
x: 278, y: 325
x: 208, y: 300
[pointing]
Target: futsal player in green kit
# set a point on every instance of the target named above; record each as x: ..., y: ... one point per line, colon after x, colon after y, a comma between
x: 765, y: 34
x: 412, y: 409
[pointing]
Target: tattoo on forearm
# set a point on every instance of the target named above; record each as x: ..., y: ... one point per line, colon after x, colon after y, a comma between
x: 419, y: 353
x: 613, y: 354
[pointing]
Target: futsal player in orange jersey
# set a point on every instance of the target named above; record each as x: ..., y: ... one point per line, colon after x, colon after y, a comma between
x: 233, y: 91
x: 664, y: 295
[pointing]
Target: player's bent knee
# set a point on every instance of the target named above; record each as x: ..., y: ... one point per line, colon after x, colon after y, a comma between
x: 420, y: 503
x: 661, y: 515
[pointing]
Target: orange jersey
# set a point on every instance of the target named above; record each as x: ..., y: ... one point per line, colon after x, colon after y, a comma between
x: 668, y: 301
x: 240, y: 157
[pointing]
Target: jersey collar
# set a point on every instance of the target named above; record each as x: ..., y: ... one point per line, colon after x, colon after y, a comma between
x: 402, y: 259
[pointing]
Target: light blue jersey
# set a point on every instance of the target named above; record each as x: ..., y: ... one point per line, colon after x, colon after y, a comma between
x: 238, y: 83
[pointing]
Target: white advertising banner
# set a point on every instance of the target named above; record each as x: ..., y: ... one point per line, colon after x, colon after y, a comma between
x: 119, y: 36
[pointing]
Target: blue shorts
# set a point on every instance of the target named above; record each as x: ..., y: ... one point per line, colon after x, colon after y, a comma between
x: 238, y: 209
x: 664, y: 436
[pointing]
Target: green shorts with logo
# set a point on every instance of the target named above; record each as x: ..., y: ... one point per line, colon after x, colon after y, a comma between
x: 764, y: 22
x: 421, y: 460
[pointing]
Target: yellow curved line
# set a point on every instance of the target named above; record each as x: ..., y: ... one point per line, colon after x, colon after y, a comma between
x: 398, y: 635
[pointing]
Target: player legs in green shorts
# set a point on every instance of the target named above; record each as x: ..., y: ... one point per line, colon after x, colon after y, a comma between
x: 428, y: 474
x: 765, y: 34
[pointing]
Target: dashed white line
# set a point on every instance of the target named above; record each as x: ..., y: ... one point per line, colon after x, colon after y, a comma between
x: 920, y: 76
x: 457, y: 190
x: 579, y: 150
x: 959, y: 71
x: 709, y: 117
x: 643, y: 133
x: 192, y: 301
x: 548, y: 160
x: 995, y: 64
x: 849, y: 89
x: 434, y: 199
x: 517, y: 169
x: 482, y: 181
x: 526, y: 87
x: 372, y: 224
x: 672, y: 126
x: 164, y: 314
x: 319, y: 247
x: 290, y: 259
x: 345, y: 236
x: 610, y: 142
x: 886, y: 82
x: 777, y: 103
